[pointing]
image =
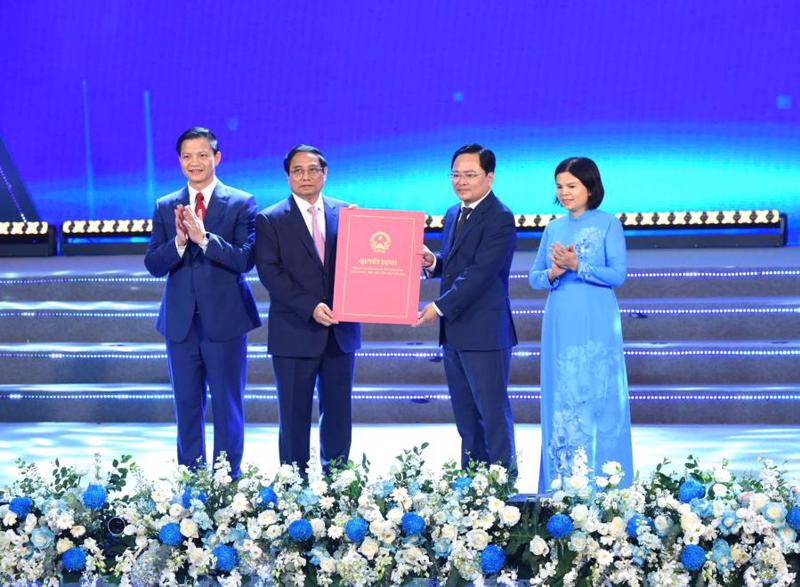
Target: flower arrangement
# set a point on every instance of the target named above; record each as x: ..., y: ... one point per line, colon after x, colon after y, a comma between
x: 450, y: 527
x: 64, y: 527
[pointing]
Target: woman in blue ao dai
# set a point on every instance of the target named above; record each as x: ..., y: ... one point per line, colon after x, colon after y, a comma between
x: 581, y: 259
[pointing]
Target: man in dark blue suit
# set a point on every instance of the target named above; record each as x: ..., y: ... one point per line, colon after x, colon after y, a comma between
x: 202, y: 239
x: 476, y: 329
x: 295, y: 257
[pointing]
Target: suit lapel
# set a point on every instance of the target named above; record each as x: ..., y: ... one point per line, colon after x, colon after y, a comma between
x: 475, y: 218
x: 299, y: 226
x: 331, y: 229
x: 215, y: 211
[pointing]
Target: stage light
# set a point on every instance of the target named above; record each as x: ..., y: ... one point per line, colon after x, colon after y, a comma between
x: 27, y: 239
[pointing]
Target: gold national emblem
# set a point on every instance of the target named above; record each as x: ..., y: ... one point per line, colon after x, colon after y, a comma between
x: 380, y: 242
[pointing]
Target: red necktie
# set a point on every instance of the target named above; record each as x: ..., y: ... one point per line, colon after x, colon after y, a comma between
x: 199, y: 206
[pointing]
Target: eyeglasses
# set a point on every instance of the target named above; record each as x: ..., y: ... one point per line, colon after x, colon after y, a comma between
x: 469, y: 176
x: 313, y: 172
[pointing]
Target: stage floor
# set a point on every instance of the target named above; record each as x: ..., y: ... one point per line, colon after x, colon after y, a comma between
x: 153, y: 445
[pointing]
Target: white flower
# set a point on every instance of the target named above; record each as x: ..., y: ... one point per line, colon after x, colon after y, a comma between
x: 612, y: 468
x: 579, y: 514
x: 509, y: 515
x: 318, y: 527
x: 722, y: 475
x: 758, y: 501
x: 449, y: 532
x: 175, y: 510
x: 141, y: 542
x: 538, y: 546
x: 65, y: 521
x: 661, y: 523
x: 603, y: 557
x: 240, y: 503
x: 495, y: 505
x: 719, y: 490
x: 253, y: 528
x: 189, y: 528
x: 346, y: 477
x: 267, y: 518
x: 326, y: 502
x: 319, y: 487
x: 577, y: 483
x: 328, y: 565
x: 555, y: 484
x: 614, y: 480
x: 77, y: 531
x: 617, y: 527
x: 369, y: 547
x: 335, y: 532
x: 394, y: 515
x: 601, y: 482
x: 478, y: 539
x: 499, y: 473
x: 274, y: 532
x: 63, y: 545
x: 578, y: 542
x: 9, y: 519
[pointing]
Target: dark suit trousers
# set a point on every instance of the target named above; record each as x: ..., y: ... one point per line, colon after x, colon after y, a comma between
x: 195, y: 363
x: 478, y: 385
x: 296, y: 378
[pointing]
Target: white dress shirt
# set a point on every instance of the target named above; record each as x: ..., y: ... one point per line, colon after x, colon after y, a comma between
x: 304, y: 211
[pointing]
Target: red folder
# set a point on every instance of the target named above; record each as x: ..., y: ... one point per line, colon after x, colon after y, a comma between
x: 378, y: 266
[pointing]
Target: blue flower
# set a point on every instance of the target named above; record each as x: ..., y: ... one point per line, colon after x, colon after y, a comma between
x: 381, y: 490
x: 356, y: 530
x: 793, y: 518
x: 693, y: 557
x: 307, y: 498
x: 702, y: 507
x: 226, y: 558
x: 413, y: 488
x: 95, y: 496
x: 300, y: 530
x: 721, y: 555
x: 729, y: 523
x: 267, y: 497
x: 492, y: 559
x: 691, y: 489
x: 20, y: 506
x: 170, y: 534
x: 236, y: 535
x: 74, y: 559
x: 461, y: 484
x: 775, y: 512
x: 442, y: 548
x: 412, y: 524
x: 635, y: 522
x: 560, y: 526
x: 42, y: 538
x: 190, y: 494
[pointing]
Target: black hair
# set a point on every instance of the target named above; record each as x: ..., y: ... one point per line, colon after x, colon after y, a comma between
x: 198, y: 132
x: 303, y: 149
x: 486, y: 156
x: 588, y: 174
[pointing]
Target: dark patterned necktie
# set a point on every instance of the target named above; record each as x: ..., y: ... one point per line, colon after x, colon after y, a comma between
x: 462, y: 219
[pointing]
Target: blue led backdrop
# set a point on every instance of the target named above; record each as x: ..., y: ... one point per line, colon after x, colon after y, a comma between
x: 684, y: 104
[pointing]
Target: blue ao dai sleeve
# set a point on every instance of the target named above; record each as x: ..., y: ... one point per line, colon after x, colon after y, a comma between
x: 613, y: 273
x: 537, y: 276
